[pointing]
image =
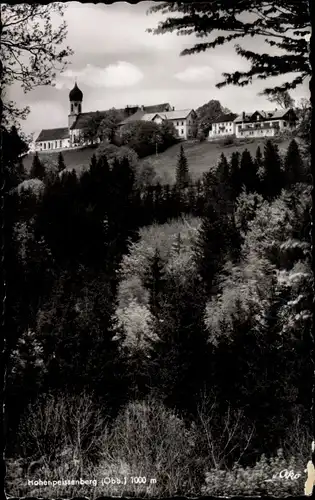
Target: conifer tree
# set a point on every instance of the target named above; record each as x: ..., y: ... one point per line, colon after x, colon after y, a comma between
x: 218, y: 22
x: 182, y: 171
x: 235, y: 174
x: 93, y: 162
x: 223, y: 173
x: 293, y: 165
x: 20, y: 171
x: 248, y: 172
x: 61, y: 163
x: 211, y: 243
x: 37, y: 170
x: 273, y: 179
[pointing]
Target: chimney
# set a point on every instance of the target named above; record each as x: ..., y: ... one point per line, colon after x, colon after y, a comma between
x: 243, y: 115
x: 142, y: 107
x: 173, y: 108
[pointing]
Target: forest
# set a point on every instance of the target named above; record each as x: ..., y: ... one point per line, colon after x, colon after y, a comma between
x: 159, y: 331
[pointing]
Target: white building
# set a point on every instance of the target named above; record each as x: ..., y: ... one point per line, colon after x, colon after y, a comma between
x: 264, y: 123
x: 183, y: 121
x: 51, y: 139
x: 223, y: 126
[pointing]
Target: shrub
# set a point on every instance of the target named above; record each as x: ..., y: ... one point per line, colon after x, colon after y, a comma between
x: 152, y: 441
x: 229, y: 141
x: 112, y: 152
x: 262, y: 479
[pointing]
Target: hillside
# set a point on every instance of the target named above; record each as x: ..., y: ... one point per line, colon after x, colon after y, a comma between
x: 200, y: 155
x: 76, y: 158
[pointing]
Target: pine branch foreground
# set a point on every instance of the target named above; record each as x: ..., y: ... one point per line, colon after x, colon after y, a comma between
x: 284, y: 24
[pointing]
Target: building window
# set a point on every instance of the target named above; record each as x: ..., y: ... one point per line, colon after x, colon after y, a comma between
x: 177, y: 123
x: 182, y: 131
x: 60, y: 144
x: 71, y: 108
x: 182, y: 123
x: 44, y: 145
x: 56, y: 144
x: 284, y: 124
x: 79, y: 108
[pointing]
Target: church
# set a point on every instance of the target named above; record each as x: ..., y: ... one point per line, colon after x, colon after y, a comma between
x: 70, y: 136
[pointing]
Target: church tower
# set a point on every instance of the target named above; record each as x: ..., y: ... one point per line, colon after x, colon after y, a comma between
x: 75, y: 97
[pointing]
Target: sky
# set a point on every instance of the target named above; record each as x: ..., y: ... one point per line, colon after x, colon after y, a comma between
x: 117, y: 63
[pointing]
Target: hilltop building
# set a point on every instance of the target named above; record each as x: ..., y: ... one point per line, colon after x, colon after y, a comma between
x: 254, y: 125
x: 222, y: 126
x: 183, y: 120
x: 71, y: 136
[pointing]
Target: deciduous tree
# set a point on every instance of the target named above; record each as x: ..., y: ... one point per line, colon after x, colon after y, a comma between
x: 205, y: 116
x: 282, y: 99
x: 32, y: 50
x: 109, y: 124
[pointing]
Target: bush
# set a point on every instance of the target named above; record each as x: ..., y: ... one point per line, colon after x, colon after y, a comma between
x: 146, y: 440
x: 153, y: 441
x: 229, y: 141
x: 112, y: 152
x: 262, y: 479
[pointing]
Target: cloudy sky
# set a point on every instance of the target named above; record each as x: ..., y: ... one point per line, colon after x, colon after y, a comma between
x: 117, y: 63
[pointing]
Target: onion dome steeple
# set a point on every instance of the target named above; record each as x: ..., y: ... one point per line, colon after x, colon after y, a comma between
x: 76, y: 94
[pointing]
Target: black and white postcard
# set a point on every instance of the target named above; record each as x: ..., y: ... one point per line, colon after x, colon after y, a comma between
x: 157, y: 251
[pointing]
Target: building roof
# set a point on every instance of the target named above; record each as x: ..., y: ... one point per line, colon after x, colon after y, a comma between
x: 149, y: 116
x: 156, y: 108
x: 225, y: 117
x: 83, y: 118
x: 138, y: 115
x: 239, y: 118
x: 53, y: 134
x: 275, y: 114
x: 146, y: 110
x: 177, y: 114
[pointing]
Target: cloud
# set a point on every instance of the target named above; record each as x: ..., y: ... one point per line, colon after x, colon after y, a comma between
x: 195, y: 74
x: 119, y: 74
x: 115, y: 29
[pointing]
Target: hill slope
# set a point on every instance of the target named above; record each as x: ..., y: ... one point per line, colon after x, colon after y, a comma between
x: 200, y: 155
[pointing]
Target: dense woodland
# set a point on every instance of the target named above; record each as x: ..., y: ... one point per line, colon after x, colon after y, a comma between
x: 192, y: 299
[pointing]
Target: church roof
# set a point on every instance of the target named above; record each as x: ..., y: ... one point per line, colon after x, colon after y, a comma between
x: 83, y: 118
x: 53, y: 134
